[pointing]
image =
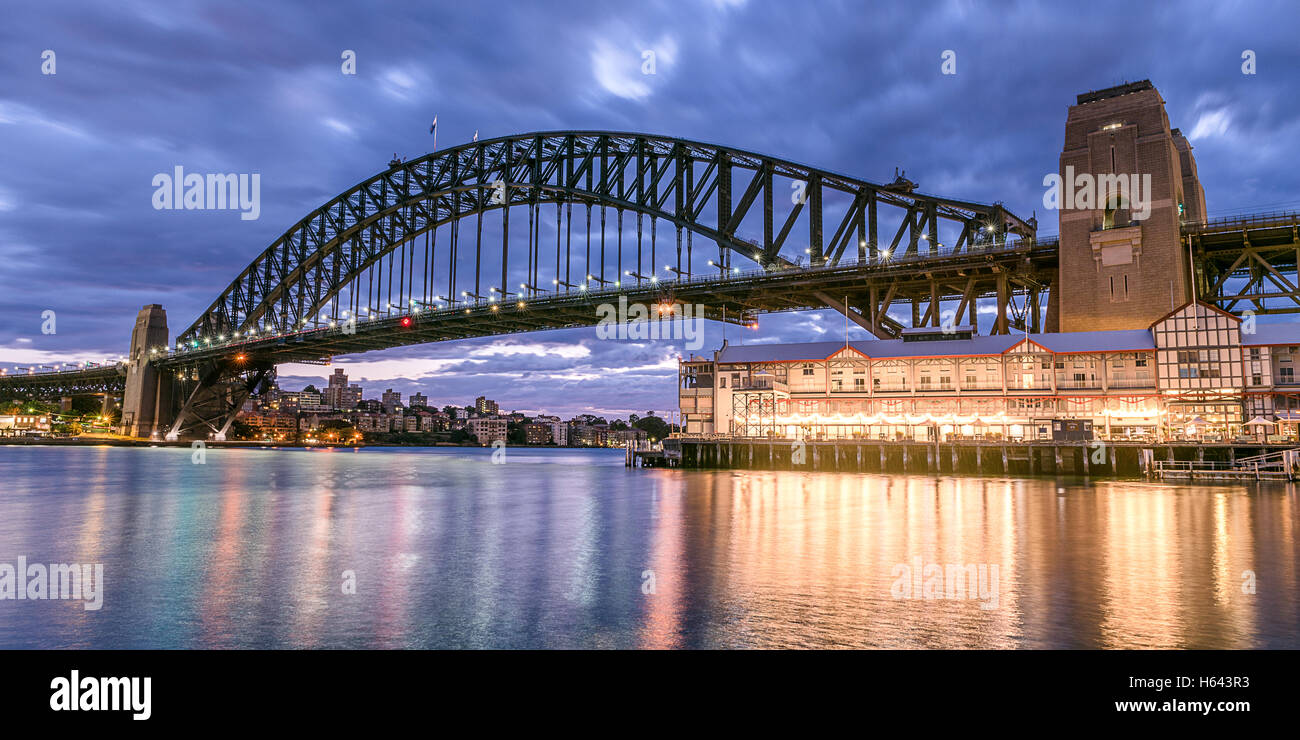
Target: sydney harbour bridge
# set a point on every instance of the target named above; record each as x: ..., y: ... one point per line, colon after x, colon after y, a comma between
x: 584, y: 218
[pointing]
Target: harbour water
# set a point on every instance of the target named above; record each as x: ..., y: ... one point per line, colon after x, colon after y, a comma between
x: 561, y: 548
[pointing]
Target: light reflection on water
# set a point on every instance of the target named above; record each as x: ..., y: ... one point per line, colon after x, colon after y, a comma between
x: 555, y: 548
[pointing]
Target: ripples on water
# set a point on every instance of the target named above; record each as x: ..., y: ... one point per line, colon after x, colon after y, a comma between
x: 555, y: 547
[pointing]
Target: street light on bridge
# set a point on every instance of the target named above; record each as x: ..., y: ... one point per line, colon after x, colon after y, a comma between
x: 639, y: 276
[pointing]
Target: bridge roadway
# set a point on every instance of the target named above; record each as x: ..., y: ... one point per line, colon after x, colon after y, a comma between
x: 738, y: 298
x: 58, y: 383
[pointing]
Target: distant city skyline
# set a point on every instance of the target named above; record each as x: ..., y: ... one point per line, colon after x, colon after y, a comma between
x: 298, y: 384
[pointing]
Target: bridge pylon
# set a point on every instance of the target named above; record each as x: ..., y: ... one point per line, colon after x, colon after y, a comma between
x: 147, y: 399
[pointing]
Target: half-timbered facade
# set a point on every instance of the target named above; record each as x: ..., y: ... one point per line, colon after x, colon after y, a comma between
x: 1197, y: 372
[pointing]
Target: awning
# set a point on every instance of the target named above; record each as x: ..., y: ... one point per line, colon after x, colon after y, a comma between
x: 1260, y: 421
x: 1289, y: 418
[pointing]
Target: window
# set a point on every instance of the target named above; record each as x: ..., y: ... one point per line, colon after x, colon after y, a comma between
x: 859, y: 384
x: 1140, y: 362
x: 807, y: 370
x: 722, y: 381
x: 1287, y: 374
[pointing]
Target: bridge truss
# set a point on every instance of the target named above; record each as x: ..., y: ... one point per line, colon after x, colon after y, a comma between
x: 377, y: 247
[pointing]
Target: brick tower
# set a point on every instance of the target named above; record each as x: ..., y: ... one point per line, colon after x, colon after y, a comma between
x: 1122, y: 261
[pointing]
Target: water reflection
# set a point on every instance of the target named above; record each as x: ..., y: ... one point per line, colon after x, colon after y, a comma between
x: 561, y: 548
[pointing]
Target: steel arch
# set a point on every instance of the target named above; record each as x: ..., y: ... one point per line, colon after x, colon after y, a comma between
x: 304, y: 270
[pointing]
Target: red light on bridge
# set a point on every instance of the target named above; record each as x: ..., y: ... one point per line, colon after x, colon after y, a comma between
x: 240, y: 358
x: 406, y: 321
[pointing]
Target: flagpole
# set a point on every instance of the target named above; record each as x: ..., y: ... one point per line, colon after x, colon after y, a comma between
x: 846, y: 322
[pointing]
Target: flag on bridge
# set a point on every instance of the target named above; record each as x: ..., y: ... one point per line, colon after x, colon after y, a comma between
x: 475, y: 134
x: 434, y: 127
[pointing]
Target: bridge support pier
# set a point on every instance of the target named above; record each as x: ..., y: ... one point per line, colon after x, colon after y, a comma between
x: 145, y: 406
x: 106, y: 407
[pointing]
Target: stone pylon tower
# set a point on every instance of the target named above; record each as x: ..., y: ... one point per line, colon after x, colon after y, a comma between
x: 147, y: 402
x: 1123, y: 263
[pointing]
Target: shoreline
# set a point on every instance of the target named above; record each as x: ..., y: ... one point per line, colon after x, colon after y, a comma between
x: 130, y: 442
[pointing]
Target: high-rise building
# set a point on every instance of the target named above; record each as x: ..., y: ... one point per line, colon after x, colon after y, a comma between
x: 560, y: 433
x: 391, y: 400
x: 349, y: 397
x: 484, y: 406
x: 418, y: 400
x: 337, y: 385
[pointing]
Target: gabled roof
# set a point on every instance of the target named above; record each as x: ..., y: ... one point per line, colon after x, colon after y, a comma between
x: 1202, y: 304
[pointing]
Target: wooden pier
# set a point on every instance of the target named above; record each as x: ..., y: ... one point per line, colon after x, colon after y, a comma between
x: 1167, y: 460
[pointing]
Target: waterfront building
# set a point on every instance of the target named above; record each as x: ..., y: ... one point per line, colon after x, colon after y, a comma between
x: 485, y: 406
x: 559, y: 432
x: 536, y: 433
x: 590, y: 435
x: 273, y: 425
x: 1193, y: 374
x: 487, y: 430
x: 23, y: 425
x: 620, y: 437
x: 418, y: 401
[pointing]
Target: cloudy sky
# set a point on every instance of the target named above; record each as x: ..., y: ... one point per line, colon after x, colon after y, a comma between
x: 142, y: 87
